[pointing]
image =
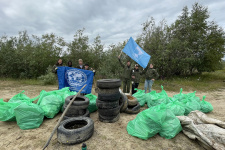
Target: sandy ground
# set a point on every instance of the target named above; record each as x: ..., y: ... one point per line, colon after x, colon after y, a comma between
x: 106, y: 136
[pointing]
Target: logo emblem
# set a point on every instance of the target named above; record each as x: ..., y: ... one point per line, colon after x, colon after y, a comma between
x: 138, y: 52
x: 75, y: 77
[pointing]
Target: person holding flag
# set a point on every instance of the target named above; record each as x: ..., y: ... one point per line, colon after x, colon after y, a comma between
x: 126, y: 76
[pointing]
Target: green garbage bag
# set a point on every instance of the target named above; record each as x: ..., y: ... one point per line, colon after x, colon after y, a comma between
x: 51, y: 103
x: 206, y: 107
x: 29, y: 116
x: 7, y: 111
x: 193, y: 96
x: 141, y: 96
x: 157, y: 119
x: 190, y: 105
x: 143, y: 126
x: 92, y: 102
x: 157, y: 98
x: 176, y: 107
x: 21, y: 97
x: 171, y: 125
x: 180, y: 96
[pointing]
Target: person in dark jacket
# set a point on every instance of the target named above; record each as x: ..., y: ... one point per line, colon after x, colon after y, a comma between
x: 126, y: 76
x: 55, y: 67
x: 80, y: 65
x: 150, y: 76
x: 135, y: 78
x: 70, y: 64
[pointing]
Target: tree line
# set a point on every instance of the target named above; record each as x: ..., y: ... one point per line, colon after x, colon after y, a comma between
x: 190, y: 44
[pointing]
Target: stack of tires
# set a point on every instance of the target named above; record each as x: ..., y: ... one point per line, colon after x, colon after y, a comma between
x: 78, y: 107
x: 108, y: 101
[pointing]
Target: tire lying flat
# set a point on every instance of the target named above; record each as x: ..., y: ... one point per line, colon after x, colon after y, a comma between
x: 75, y: 130
x: 73, y: 111
x: 109, y: 119
x: 86, y: 114
x: 106, y: 104
x: 109, y: 96
x: 81, y: 102
x: 109, y: 112
x: 108, y: 83
x: 133, y: 109
x: 132, y: 101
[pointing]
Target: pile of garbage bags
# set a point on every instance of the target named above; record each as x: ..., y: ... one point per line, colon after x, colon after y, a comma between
x: 160, y: 117
x: 30, y: 115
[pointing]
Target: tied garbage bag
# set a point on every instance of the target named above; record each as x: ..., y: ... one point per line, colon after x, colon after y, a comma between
x: 51, y: 103
x: 155, y: 99
x: 29, y: 116
x: 190, y: 105
x: 180, y: 96
x: 7, y: 111
x: 176, y: 107
x: 143, y: 126
x: 206, y: 106
x: 141, y: 96
x: 193, y: 97
x: 157, y: 119
x: 92, y: 102
x: 21, y: 97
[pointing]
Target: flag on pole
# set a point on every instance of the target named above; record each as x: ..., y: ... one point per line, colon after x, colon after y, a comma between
x: 75, y: 79
x: 134, y: 51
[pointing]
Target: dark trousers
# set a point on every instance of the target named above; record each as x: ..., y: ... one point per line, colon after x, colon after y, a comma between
x: 126, y: 86
x: 134, y: 85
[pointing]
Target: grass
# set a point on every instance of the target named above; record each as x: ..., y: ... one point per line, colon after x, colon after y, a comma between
x: 207, y: 81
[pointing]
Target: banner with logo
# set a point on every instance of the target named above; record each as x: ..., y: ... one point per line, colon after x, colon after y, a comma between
x: 134, y: 51
x: 75, y: 79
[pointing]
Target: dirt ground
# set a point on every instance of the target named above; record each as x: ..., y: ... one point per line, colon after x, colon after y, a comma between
x: 106, y: 136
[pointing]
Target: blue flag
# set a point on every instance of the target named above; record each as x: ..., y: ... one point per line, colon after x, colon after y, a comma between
x: 135, y: 52
x: 75, y: 79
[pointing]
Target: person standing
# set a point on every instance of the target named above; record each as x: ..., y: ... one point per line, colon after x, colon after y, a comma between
x: 135, y: 78
x: 80, y: 64
x: 70, y: 64
x: 150, y: 76
x: 55, y: 67
x: 126, y: 76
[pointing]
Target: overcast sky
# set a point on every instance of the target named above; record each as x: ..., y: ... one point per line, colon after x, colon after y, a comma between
x: 114, y: 20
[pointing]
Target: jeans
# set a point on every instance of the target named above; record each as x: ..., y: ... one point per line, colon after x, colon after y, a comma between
x: 148, y: 85
x: 134, y: 85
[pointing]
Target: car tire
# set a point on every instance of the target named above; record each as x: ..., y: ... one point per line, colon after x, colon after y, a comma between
x: 108, y: 83
x: 109, y: 97
x: 132, y: 101
x: 86, y: 114
x: 109, y: 120
x: 81, y: 102
x: 75, y: 130
x: 133, y: 109
x: 106, y: 105
x: 123, y: 102
x: 109, y: 112
x: 72, y: 111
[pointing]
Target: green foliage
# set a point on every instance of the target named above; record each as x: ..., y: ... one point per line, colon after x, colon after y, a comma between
x: 191, y: 44
x: 49, y: 78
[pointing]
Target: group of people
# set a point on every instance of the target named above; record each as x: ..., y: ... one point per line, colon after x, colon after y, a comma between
x: 134, y: 75
x: 130, y: 75
x: 80, y: 65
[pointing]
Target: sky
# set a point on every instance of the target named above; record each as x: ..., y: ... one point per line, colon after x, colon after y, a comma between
x: 114, y: 20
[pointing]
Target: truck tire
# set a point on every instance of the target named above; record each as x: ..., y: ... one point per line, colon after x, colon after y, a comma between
x: 75, y: 130
x: 108, y: 83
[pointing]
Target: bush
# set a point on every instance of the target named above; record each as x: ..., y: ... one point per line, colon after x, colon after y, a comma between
x: 49, y: 78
